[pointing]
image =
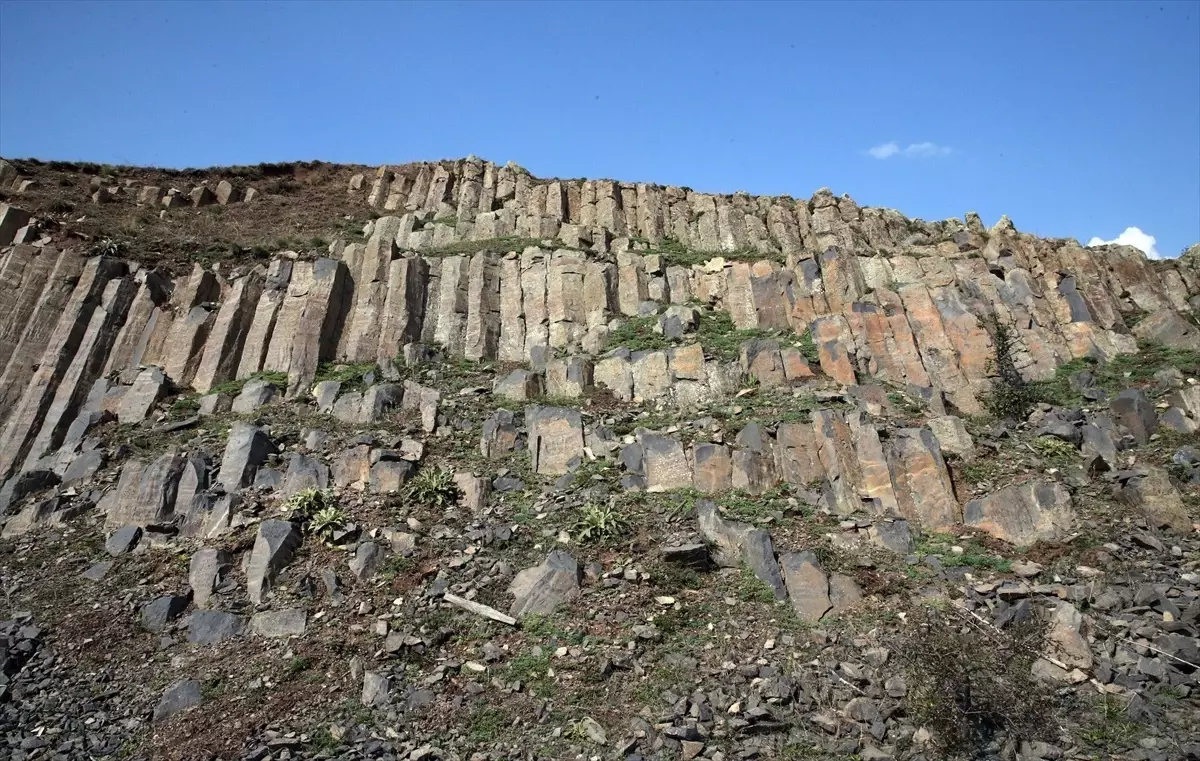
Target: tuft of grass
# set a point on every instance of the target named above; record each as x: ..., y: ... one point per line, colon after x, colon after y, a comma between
x: 499, y: 245
x: 487, y: 724
x: 350, y: 375
x: 600, y: 523
x: 433, y: 488
x: 1109, y: 728
x: 1054, y: 449
x: 637, y: 334
x: 234, y: 387
x: 974, y: 555
x: 1123, y: 371
x: 750, y: 588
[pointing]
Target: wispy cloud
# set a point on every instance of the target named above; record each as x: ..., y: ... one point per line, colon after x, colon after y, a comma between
x: 1133, y: 236
x: 911, y: 151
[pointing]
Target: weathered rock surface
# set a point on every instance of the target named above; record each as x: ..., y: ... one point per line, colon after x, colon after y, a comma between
x: 1024, y: 513
x: 543, y: 588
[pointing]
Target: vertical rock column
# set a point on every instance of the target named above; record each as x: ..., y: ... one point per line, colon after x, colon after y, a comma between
x: 21, y: 359
x: 223, y: 349
x: 69, y: 333
x: 262, y: 324
x: 85, y: 367
x: 319, y: 325
x: 371, y: 291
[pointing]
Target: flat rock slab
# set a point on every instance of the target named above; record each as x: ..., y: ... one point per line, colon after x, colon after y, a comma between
x: 98, y: 571
x: 178, y: 697
x: 290, y: 622
x: 123, y: 540
x: 807, y: 585
x: 209, y: 627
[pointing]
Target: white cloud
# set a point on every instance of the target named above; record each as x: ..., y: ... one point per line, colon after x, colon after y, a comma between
x: 885, y: 151
x: 1132, y: 236
x: 912, y: 151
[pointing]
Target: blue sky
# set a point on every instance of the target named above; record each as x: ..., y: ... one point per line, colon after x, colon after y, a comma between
x: 1075, y: 119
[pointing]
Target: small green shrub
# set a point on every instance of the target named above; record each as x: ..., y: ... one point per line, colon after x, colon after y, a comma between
x: 325, y: 522
x: 433, y: 488
x: 1053, y: 448
x: 600, y: 523
x: 351, y: 374
x: 1011, y: 396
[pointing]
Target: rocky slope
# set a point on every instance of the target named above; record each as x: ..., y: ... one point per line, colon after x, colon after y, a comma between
x: 448, y: 461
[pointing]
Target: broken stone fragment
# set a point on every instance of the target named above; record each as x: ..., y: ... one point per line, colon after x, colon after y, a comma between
x: 366, y: 560
x: 211, y: 627
x: 1158, y: 500
x: 206, y: 572
x: 256, y: 393
x: 157, y: 613
x: 290, y: 622
x: 542, y: 588
x: 1134, y: 412
x: 274, y: 547
x: 246, y: 450
x: 150, y: 385
x: 736, y: 543
x: 555, y: 438
x: 123, y: 540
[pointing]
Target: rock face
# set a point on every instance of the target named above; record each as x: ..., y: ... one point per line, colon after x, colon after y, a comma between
x: 1024, y: 513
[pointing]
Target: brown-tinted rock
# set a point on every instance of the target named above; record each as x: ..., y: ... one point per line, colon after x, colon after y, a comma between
x: 1023, y: 513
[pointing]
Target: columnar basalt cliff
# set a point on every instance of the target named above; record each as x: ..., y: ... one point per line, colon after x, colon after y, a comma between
x: 458, y: 370
x: 489, y: 262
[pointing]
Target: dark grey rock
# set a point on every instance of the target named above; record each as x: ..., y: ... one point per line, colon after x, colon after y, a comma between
x: 178, y: 697
x: 541, y: 589
x: 274, y: 547
x: 209, y: 627
x: 123, y: 540
x: 157, y: 613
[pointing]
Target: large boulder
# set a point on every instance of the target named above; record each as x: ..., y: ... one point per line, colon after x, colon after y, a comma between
x: 210, y: 627
x: 666, y: 464
x: 1158, y: 500
x: 1133, y: 411
x: 1022, y: 514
